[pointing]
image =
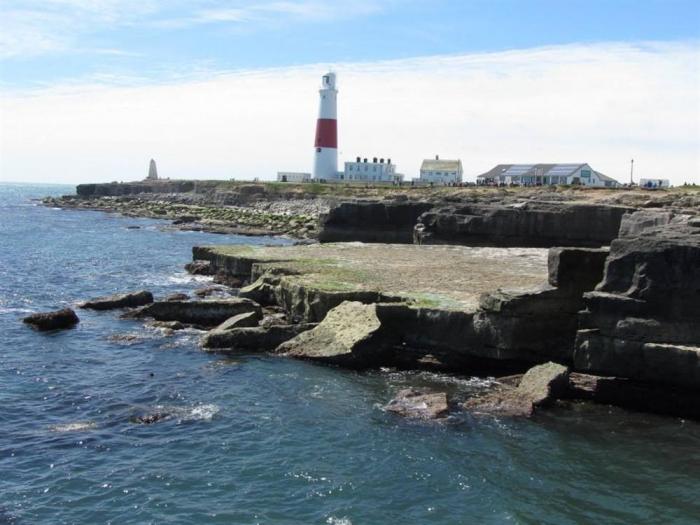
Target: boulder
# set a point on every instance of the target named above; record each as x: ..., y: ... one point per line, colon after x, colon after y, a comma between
x: 539, y: 386
x: 125, y: 300
x: 419, y: 404
x: 258, y: 338
x: 543, y: 383
x: 177, y: 297
x: 168, y: 325
x: 208, y: 291
x: 149, y: 419
x: 227, y: 280
x: 198, y: 267
x: 244, y: 320
x: 348, y: 336
x: 56, y: 320
x: 203, y: 313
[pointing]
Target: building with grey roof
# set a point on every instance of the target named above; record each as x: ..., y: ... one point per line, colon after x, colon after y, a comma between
x: 440, y: 171
x: 545, y: 174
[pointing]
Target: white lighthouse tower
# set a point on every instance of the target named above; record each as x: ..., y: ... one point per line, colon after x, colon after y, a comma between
x: 326, y: 144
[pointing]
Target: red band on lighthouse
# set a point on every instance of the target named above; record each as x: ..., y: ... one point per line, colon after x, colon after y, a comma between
x: 326, y: 133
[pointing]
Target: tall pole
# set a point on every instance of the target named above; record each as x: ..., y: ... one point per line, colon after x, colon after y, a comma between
x: 326, y: 144
x: 631, y: 172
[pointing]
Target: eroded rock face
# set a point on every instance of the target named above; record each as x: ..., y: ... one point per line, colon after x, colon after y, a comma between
x: 65, y: 318
x: 419, y: 404
x: 526, y: 224
x: 203, y: 313
x: 641, y: 322
x: 256, y: 339
x: 538, y: 387
x: 349, y: 336
x: 372, y: 221
x: 125, y: 300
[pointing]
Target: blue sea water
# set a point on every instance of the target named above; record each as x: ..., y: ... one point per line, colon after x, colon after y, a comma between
x: 259, y: 439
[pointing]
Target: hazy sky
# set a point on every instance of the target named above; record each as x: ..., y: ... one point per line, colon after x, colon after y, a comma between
x: 90, y: 90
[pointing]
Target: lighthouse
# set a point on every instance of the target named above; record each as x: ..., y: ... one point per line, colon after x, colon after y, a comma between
x: 326, y: 144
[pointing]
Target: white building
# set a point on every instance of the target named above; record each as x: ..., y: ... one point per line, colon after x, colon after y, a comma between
x: 546, y: 174
x: 442, y: 172
x: 376, y: 171
x: 293, y: 176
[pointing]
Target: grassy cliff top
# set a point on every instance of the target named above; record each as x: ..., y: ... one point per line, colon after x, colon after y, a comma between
x: 450, y: 277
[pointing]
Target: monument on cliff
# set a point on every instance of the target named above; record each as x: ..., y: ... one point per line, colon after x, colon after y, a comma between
x: 152, y: 171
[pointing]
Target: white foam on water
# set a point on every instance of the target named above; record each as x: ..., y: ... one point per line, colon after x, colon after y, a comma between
x: 204, y: 412
x: 76, y: 426
x: 15, y: 310
x: 332, y: 520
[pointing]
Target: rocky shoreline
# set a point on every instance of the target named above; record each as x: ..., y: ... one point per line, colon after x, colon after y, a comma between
x: 594, y: 300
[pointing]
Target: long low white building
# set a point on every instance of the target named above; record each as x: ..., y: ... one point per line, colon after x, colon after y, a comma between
x: 293, y: 176
x: 546, y: 174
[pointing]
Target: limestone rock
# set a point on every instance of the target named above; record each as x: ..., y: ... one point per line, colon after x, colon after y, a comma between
x: 419, y: 404
x: 243, y: 320
x: 261, y: 291
x: 576, y: 268
x: 168, y: 325
x: 528, y: 224
x: 65, y: 318
x: 125, y: 300
x: 198, y: 267
x: 177, y: 297
x: 372, y: 221
x: 539, y: 386
x: 203, y: 313
x: 349, y: 335
x: 257, y: 338
x: 208, y: 291
x: 641, y: 322
x: 543, y: 383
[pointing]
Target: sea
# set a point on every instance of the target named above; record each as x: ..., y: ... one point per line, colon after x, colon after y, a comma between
x: 254, y: 438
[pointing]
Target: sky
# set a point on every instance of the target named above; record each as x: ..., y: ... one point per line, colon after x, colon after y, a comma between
x: 90, y: 90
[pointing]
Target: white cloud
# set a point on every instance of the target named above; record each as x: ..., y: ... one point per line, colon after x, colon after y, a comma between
x: 602, y: 104
x: 38, y: 27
